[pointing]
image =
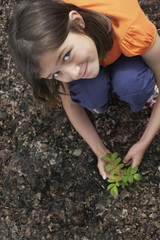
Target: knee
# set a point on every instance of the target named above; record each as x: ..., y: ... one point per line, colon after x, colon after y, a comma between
x: 133, y: 80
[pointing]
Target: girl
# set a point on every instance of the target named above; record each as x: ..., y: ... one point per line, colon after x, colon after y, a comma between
x: 80, y: 51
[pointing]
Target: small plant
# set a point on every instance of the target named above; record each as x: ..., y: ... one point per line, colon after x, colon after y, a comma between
x: 120, y: 176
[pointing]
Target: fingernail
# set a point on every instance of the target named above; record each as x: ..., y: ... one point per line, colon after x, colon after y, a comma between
x: 104, y: 177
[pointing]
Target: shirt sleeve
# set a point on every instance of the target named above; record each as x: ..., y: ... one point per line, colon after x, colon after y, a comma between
x: 139, y: 37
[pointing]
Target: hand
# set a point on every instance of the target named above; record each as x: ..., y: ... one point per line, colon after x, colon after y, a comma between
x: 134, y: 155
x: 101, y: 167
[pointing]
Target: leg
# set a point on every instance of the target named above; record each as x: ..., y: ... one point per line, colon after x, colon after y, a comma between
x: 132, y: 80
x: 93, y: 93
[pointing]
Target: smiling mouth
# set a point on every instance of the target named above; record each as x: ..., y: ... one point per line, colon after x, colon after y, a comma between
x: 85, y: 72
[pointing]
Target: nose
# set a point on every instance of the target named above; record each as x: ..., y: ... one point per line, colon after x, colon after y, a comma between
x: 73, y: 72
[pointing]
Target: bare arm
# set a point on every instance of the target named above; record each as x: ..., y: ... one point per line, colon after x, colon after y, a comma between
x: 79, y: 119
x: 152, y: 58
x: 135, y: 154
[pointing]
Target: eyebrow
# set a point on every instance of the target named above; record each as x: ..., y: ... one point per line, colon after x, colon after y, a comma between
x: 60, y: 55
x: 58, y: 59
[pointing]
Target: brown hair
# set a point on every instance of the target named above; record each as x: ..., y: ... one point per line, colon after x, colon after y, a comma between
x: 39, y: 26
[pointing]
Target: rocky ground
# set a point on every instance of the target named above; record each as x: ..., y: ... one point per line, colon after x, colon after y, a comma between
x: 50, y: 188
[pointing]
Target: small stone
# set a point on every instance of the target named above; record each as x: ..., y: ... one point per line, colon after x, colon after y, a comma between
x: 152, y: 201
x: 152, y: 215
x: 144, y: 215
x: 77, y: 152
x: 124, y: 213
x: 27, y: 233
x: 71, y: 137
x: 52, y: 162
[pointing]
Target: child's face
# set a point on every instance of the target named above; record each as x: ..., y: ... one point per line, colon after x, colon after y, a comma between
x: 76, y: 58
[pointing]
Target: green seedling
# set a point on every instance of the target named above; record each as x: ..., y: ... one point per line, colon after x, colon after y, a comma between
x: 120, y: 176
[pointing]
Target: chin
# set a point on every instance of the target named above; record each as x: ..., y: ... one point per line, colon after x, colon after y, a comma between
x: 95, y: 72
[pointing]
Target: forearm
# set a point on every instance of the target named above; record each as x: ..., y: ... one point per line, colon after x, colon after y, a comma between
x: 152, y: 58
x: 81, y: 122
x: 153, y: 125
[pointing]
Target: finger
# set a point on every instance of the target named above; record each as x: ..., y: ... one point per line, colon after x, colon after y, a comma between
x: 128, y: 163
x: 134, y: 164
x: 127, y: 158
x: 102, y: 171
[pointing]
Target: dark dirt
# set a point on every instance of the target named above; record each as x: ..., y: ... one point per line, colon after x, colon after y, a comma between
x: 50, y: 187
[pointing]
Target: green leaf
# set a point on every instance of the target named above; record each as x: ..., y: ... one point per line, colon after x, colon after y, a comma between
x: 125, y: 171
x: 111, y: 180
x: 117, y: 184
x: 123, y: 184
x: 106, y: 159
x: 134, y: 170
x: 113, y: 171
x: 125, y: 179
x: 115, y: 189
x: 109, y: 167
x: 118, y: 160
x: 117, y: 172
x: 109, y: 155
x: 113, y: 177
x: 130, y: 179
x: 110, y: 186
x: 114, y: 156
x: 129, y: 170
x: 122, y: 177
x: 120, y: 165
x: 112, y: 174
x: 137, y: 176
x: 119, y: 178
x: 112, y: 191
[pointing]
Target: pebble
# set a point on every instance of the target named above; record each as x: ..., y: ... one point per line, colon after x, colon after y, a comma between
x: 152, y: 215
x: 124, y: 213
x: 152, y: 200
x: 52, y: 162
x: 144, y: 215
x: 77, y: 152
x: 71, y: 137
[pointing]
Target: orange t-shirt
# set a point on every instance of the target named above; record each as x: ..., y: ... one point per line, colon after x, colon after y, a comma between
x: 134, y: 35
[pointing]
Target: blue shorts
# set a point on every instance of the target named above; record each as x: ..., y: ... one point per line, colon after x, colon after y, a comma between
x: 129, y: 77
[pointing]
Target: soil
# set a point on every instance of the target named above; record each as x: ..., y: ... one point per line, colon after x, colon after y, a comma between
x: 50, y: 188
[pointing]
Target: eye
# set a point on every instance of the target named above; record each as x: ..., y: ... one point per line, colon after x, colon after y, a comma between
x: 56, y: 75
x: 67, y: 56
